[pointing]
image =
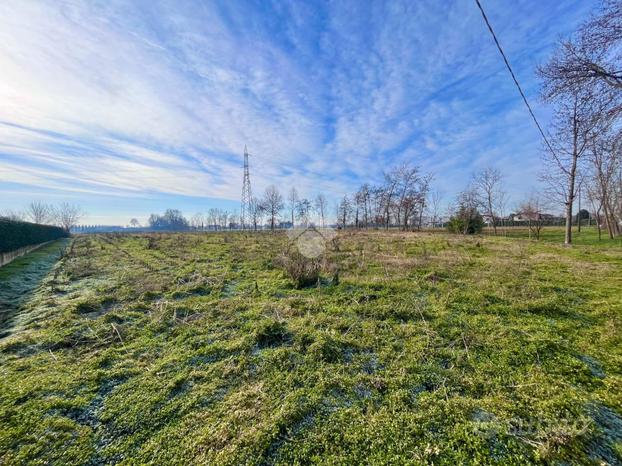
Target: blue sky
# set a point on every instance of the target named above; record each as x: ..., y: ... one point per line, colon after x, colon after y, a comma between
x: 130, y: 107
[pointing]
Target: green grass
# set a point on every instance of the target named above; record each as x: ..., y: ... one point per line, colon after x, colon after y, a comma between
x: 588, y: 236
x: 20, y: 278
x: 196, y: 349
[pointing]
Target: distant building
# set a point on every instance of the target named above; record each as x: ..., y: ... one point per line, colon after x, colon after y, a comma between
x: 488, y: 219
x: 549, y: 219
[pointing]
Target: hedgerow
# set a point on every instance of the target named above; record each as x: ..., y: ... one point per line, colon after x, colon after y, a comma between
x: 15, y: 235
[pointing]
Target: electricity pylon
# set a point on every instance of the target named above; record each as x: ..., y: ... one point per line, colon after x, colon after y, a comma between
x: 247, y: 196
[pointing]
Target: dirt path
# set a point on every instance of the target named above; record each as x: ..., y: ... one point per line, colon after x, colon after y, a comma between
x: 20, y: 278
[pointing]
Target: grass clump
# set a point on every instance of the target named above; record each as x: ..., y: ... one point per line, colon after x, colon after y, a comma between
x: 303, y: 271
x: 271, y: 332
x: 326, y: 348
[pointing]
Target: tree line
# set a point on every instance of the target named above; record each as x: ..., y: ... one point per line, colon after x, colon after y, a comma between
x: 403, y: 200
x: 173, y: 220
x: 399, y: 201
x: 64, y: 215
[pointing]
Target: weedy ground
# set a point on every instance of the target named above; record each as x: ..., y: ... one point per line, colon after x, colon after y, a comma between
x: 413, y: 349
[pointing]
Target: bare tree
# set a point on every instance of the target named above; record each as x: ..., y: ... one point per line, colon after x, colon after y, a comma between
x: 434, y: 206
x: 589, y: 63
x: 590, y: 59
x: 14, y: 215
x: 134, y: 223
x: 198, y: 221
x: 212, y: 216
x: 575, y: 124
x: 422, y: 196
x: 376, y: 205
x: 303, y: 211
x: 361, y: 206
x: 391, y: 181
x: 223, y: 218
x: 257, y: 213
x: 606, y: 158
x: 532, y: 210
x: 596, y: 202
x: 272, y: 203
x: 292, y: 199
x: 344, y: 211
x: 501, y: 208
x: 406, y: 178
x: 39, y: 212
x: 411, y: 191
x: 233, y: 220
x: 67, y: 215
x: 320, y: 206
x: 488, y: 185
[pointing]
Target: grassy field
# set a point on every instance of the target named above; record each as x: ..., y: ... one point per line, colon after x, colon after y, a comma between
x: 413, y: 348
x: 588, y: 236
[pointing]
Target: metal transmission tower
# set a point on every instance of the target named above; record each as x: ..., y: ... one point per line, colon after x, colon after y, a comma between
x: 247, y: 196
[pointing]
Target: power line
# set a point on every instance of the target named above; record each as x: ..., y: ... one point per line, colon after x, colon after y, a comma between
x: 507, y: 64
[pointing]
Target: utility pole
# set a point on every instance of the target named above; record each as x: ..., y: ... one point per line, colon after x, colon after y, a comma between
x: 247, y: 196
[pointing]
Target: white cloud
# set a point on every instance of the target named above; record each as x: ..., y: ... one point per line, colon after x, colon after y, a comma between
x: 128, y: 98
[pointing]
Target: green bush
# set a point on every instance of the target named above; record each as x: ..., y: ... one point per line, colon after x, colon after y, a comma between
x: 467, y: 221
x: 15, y: 235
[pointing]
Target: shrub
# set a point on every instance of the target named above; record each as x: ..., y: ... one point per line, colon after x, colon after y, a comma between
x: 15, y: 235
x: 467, y: 221
x: 302, y: 270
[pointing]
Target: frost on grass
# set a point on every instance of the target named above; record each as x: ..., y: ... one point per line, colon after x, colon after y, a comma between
x: 392, y: 349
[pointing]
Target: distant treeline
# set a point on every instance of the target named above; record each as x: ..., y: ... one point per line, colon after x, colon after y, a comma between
x: 97, y: 228
x: 17, y: 234
x: 172, y: 220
